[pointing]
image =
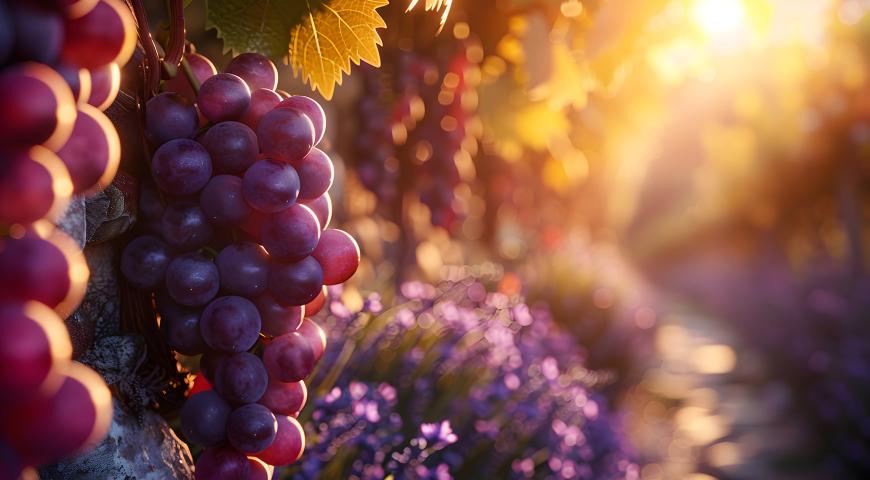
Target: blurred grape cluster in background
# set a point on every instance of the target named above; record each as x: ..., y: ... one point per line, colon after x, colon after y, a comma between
x: 601, y: 239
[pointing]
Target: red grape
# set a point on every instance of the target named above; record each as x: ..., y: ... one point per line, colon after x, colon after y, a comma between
x: 314, y: 306
x: 315, y: 336
x: 255, y: 69
x: 263, y: 101
x: 288, y: 358
x: 192, y: 280
x: 36, y: 106
x: 285, y: 398
x: 285, y: 134
x: 316, y: 174
x: 241, y: 378
x: 338, y: 255
x: 169, y: 116
x: 322, y: 207
x: 78, y: 79
x: 224, y: 97
x: 93, y: 152
x: 144, y: 262
x: 180, y: 328
x: 292, y: 234
x: 311, y: 109
x: 34, y: 184
x: 222, y: 202
x: 181, y: 167
x: 77, y: 8
x: 243, y: 268
x: 251, y: 428
x: 202, y: 69
x: 105, y: 84
x: 288, y: 445
x: 184, y: 226
x: 278, y: 319
x: 221, y: 463
x: 204, y: 418
x: 270, y: 186
x: 232, y: 146
x: 259, y: 470
x: 106, y: 34
x: 230, y: 324
x: 295, y: 283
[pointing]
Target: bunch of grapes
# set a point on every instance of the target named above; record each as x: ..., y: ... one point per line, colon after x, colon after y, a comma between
x: 59, y: 68
x: 237, y: 253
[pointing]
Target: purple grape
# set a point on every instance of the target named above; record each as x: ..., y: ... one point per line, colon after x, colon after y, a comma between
x: 150, y: 206
x: 169, y: 116
x: 36, y: 106
x: 221, y: 201
x: 181, y: 167
x: 322, y: 207
x: 295, y: 283
x: 251, y: 428
x: 244, y: 269
x: 277, y: 319
x: 204, y: 418
x: 316, y: 174
x: 38, y: 32
x: 262, y: 102
x: 184, y: 226
x: 291, y: 235
x: 180, y: 328
x: 144, y: 262
x: 288, y: 358
x: 230, y: 324
x: 222, y: 463
x: 285, y: 134
x: 224, y: 97
x: 192, y: 279
x: 255, y: 69
x: 232, y: 146
x: 33, y: 184
x: 311, y: 109
x: 338, y: 255
x: 241, y: 378
x: 93, y: 152
x: 285, y: 398
x: 270, y: 186
x: 75, y: 77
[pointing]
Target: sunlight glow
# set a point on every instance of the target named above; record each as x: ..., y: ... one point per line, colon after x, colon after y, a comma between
x: 716, y: 17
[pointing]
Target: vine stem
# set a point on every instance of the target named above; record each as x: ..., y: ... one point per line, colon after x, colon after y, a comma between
x: 152, y: 60
x: 175, y: 50
x: 191, y: 77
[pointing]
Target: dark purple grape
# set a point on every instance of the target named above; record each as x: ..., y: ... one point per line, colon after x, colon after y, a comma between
x: 278, y: 319
x: 180, y: 328
x: 322, y: 207
x: 311, y: 109
x: 169, y: 116
x: 295, y: 283
x: 34, y: 184
x: 262, y: 102
x: 105, y: 84
x: 106, y: 34
x: 316, y: 174
x: 144, y: 262
x: 93, y: 152
x: 270, y: 186
x: 338, y: 255
x: 230, y: 324
x: 181, y: 167
x: 222, y: 202
x: 288, y: 358
x: 255, y: 69
x: 192, y: 279
x: 224, y: 97
x: 241, y: 378
x: 285, y: 398
x: 36, y: 106
x: 38, y: 32
x: 232, y: 146
x: 288, y: 444
x: 204, y: 418
x: 221, y: 463
x: 285, y: 134
x: 34, y: 348
x: 184, y: 226
x: 251, y: 428
x: 244, y: 269
x: 292, y: 234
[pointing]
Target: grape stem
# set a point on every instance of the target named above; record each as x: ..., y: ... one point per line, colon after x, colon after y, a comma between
x: 152, y: 60
x: 175, y: 50
x: 191, y: 78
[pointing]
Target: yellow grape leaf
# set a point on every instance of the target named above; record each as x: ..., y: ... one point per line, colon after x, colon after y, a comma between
x: 333, y: 35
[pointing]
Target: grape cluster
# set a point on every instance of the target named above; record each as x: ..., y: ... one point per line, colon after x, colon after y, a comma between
x: 59, y: 68
x: 237, y: 252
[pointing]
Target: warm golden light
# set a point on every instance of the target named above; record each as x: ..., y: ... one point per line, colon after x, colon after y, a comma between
x: 716, y: 17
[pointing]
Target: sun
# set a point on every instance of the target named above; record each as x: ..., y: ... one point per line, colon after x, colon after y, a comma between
x: 716, y: 17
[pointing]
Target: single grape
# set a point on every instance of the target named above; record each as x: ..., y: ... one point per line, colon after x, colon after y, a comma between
x: 277, y: 319
x: 36, y: 106
x: 34, y: 184
x: 144, y: 262
x: 232, y: 146
x: 311, y: 109
x: 270, y: 186
x: 322, y: 207
x: 181, y: 167
x: 50, y: 270
x: 93, y: 152
x: 315, y: 335
x: 259, y: 470
x: 285, y: 134
x: 34, y: 349
x: 338, y: 254
x: 204, y: 418
x: 38, y: 32
x: 202, y: 69
x: 241, y: 378
x: 78, y: 79
x: 288, y: 358
x: 221, y: 463
x: 244, y: 269
x: 184, y: 226
x: 255, y: 69
x: 285, y: 398
x: 263, y: 101
x: 169, y: 116
x: 105, y: 85
x: 180, y: 328
x: 192, y: 279
x: 69, y: 420
x: 295, y: 283
x: 230, y: 324
x: 222, y: 202
x: 288, y: 445
x: 106, y: 34
x: 314, y: 306
x: 251, y: 428
x: 316, y: 174
x: 224, y: 97
x: 78, y: 8
x: 292, y: 234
